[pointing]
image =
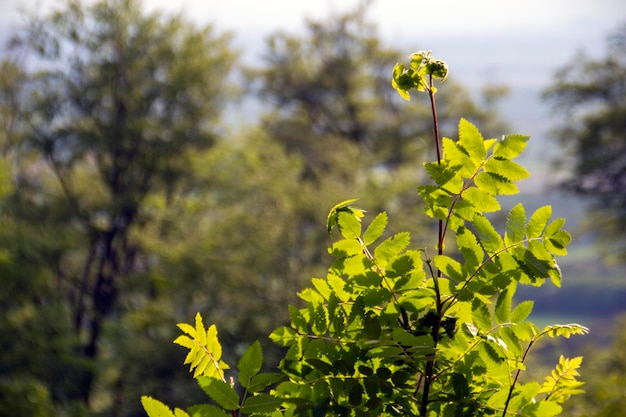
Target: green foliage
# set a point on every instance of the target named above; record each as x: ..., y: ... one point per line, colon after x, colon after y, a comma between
x: 392, y: 331
x: 205, y: 351
x: 422, y: 65
x: 109, y: 116
x: 589, y: 95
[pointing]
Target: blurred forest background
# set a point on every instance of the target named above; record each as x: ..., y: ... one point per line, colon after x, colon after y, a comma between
x: 148, y: 172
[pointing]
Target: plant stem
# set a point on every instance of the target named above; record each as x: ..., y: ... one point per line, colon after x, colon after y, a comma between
x: 517, y: 374
x: 430, y: 366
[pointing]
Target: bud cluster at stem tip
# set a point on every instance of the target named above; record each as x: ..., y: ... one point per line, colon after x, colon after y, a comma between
x: 420, y: 74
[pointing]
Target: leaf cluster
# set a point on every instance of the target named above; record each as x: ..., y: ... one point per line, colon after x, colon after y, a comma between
x: 392, y: 332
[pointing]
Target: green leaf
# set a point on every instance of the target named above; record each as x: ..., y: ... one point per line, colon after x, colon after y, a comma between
x: 298, y: 321
x: 503, y: 306
x: 510, y: 170
x: 445, y: 176
x: 515, y: 225
x: 220, y: 392
x: 200, y: 332
x: 543, y: 409
x: 563, y: 382
x: 460, y: 385
x: 512, y: 341
x: 206, y: 410
x: 522, y: 311
x: 261, y: 404
x: 375, y: 229
x: 450, y: 267
x: 469, y: 247
x: 250, y: 364
x: 261, y: 381
x: 555, y: 238
x: 538, y: 221
x: 481, y: 200
x: 481, y: 316
x: 344, y: 206
x: 320, y: 320
x: 155, y: 408
x: 472, y: 141
x: 322, y: 287
x: 565, y: 330
x: 393, y: 246
x: 495, y: 184
x: 511, y: 146
x: 458, y: 160
x: 284, y: 336
x: 489, y: 238
x: 345, y: 248
x: 349, y: 225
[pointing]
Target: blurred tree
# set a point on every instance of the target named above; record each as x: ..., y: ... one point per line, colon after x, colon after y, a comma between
x: 115, y: 105
x: 590, y: 94
x: 331, y: 103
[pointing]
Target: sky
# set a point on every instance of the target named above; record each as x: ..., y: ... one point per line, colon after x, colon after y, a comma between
x: 517, y: 43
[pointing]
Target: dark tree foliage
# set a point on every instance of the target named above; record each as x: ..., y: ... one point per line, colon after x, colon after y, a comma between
x: 332, y: 86
x: 110, y: 104
x: 590, y: 94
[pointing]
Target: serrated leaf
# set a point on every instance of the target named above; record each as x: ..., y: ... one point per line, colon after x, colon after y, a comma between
x: 322, y: 366
x: 522, y: 311
x: 331, y: 219
x: 511, y: 146
x: 298, y: 321
x: 481, y: 316
x: 187, y: 328
x: 375, y: 229
x: 220, y: 392
x: 469, y: 247
x: 489, y: 352
x: 450, y: 267
x: 563, y: 380
x: 510, y: 170
x: 184, y: 341
x: 456, y: 157
x: 284, y: 336
x: 200, y: 332
x: 538, y: 221
x: 261, y: 381
x: 460, y: 385
x: 445, y: 176
x: 472, y: 140
x: 392, y: 247
x: 503, y: 306
x: 250, y: 364
x: 349, y: 225
x: 565, y: 330
x: 322, y: 287
x: 155, y: 408
x: 512, y: 341
x: 320, y: 320
x: 400, y: 266
x: 515, y: 225
x: 495, y: 184
x: 345, y: 248
x: 543, y: 409
x: 261, y: 404
x: 489, y: 238
x: 481, y: 200
x: 557, y: 242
